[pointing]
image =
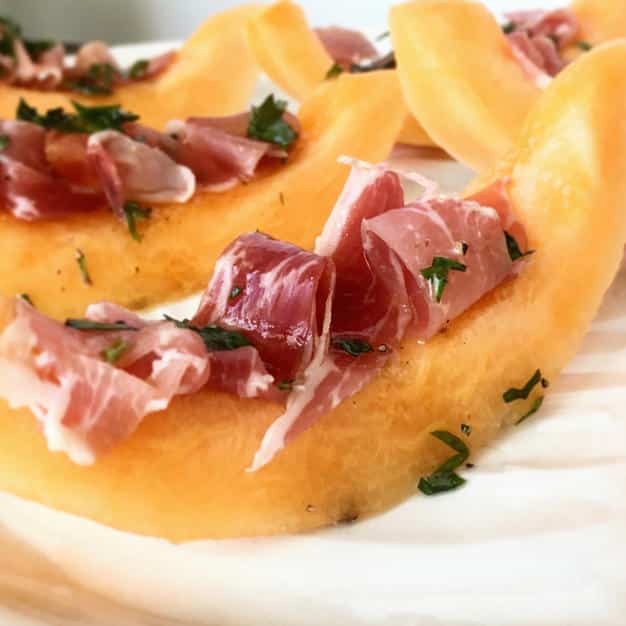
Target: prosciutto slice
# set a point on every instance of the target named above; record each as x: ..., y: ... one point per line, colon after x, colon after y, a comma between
x: 346, y: 47
x: 537, y: 39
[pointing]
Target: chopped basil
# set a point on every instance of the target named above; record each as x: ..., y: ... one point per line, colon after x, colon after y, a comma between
x: 334, y: 71
x: 285, y: 385
x: 437, y: 274
x: 36, y: 47
x: 267, y: 123
x: 5, y: 142
x: 386, y: 62
x: 26, y: 298
x: 533, y: 409
x: 97, y: 80
x: 138, y: 69
x: 508, y: 28
x: 132, y: 214
x: 85, y: 120
x: 216, y: 339
x: 354, y: 347
x: 513, y: 394
x: 81, y: 324
x: 584, y: 45
x: 113, y: 353
x: 81, y: 259
x: 444, y: 478
x: 466, y: 429
x: 235, y: 291
x: 513, y: 248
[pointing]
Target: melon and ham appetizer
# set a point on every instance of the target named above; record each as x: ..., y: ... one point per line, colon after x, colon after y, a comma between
x: 298, y: 58
x: 183, y: 193
x: 492, y: 73
x: 417, y: 328
x: 213, y: 74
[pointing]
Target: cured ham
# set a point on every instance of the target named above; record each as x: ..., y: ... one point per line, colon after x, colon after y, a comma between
x: 537, y: 38
x: 309, y: 329
x: 346, y: 47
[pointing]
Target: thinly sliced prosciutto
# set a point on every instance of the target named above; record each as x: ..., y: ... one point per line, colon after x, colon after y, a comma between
x: 346, y: 47
x: 309, y: 329
x: 537, y: 39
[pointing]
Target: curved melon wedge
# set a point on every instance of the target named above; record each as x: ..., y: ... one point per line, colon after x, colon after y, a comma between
x: 460, y: 78
x: 214, y: 74
x: 291, y: 54
x: 600, y: 20
x: 182, y: 241
x: 182, y: 474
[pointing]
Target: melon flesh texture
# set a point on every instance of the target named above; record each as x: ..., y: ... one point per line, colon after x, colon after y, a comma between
x: 460, y: 79
x: 293, y: 57
x: 214, y: 73
x: 181, y: 475
x: 182, y: 241
x: 600, y: 20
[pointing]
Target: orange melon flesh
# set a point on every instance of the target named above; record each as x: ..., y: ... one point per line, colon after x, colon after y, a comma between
x: 460, y: 79
x: 182, y: 241
x: 294, y: 58
x: 181, y: 475
x: 214, y: 74
x: 600, y: 20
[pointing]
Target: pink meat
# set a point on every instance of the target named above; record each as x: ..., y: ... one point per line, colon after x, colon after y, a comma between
x: 345, y: 46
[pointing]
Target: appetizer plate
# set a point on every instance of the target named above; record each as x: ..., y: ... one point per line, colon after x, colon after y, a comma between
x: 536, y: 537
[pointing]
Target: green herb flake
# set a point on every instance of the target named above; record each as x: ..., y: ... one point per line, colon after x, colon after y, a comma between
x: 334, y: 71
x: 285, y: 385
x: 216, y: 338
x: 508, y: 28
x: 444, y: 478
x: 81, y: 259
x: 36, y: 47
x: 27, y: 298
x: 235, y: 291
x: 382, y: 36
x: 466, y: 429
x: 513, y: 248
x: 138, y: 69
x: 5, y: 142
x: 97, y: 81
x: 10, y: 32
x: 353, y: 347
x: 437, y: 274
x: 82, y: 324
x: 267, y: 123
x: 533, y: 409
x: 134, y: 213
x: 584, y: 45
x: 114, y: 352
x: 513, y: 394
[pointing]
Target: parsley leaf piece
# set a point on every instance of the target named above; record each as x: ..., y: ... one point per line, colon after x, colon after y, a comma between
x: 508, y: 28
x: 267, y: 123
x: 285, y: 385
x: 386, y: 62
x: 82, y: 324
x: 533, y: 409
x: 234, y: 293
x: 334, y: 71
x: 466, y: 429
x: 444, y: 478
x: 53, y: 119
x: 10, y: 32
x: 513, y: 394
x: 513, y: 248
x: 94, y: 119
x: 132, y: 214
x: 5, y: 142
x: 216, y: 338
x: 36, y: 47
x: 114, y: 352
x: 439, y: 482
x: 138, y: 69
x: 437, y: 274
x: 383, y: 36
x: 584, y: 45
x: 354, y: 347
x: 97, y: 80
x: 27, y: 298
x: 81, y: 259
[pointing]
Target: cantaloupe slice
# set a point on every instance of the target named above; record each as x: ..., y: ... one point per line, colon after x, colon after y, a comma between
x: 181, y: 241
x: 214, y: 74
x: 600, y: 20
x: 181, y: 475
x: 292, y: 55
x: 460, y: 78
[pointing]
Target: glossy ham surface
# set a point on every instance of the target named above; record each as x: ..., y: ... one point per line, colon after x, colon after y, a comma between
x: 346, y: 46
x: 309, y: 329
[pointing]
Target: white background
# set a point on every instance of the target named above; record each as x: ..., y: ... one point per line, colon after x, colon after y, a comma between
x: 123, y: 21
